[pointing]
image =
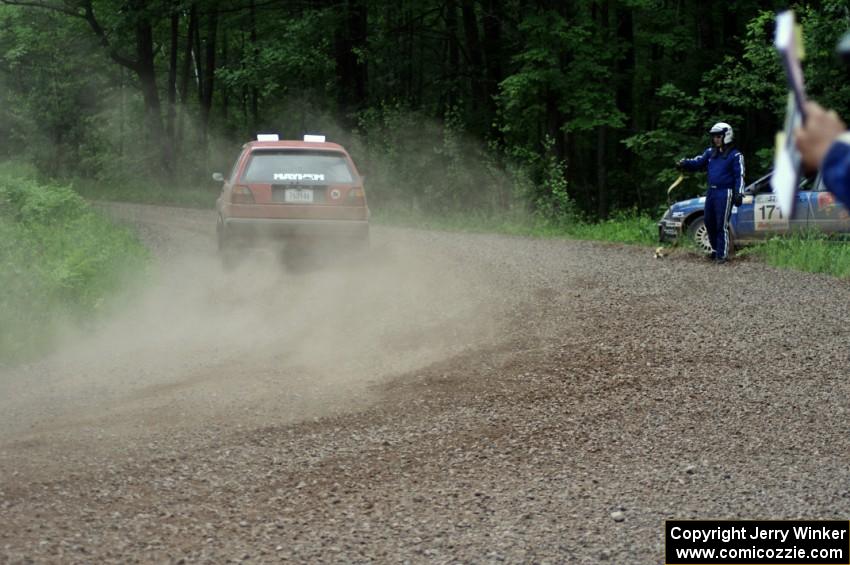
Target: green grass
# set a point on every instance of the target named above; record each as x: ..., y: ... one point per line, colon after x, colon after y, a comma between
x: 624, y: 227
x: 148, y: 192
x: 60, y: 261
x: 811, y: 252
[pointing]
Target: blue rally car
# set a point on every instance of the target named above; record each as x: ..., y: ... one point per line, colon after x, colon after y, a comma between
x: 758, y: 217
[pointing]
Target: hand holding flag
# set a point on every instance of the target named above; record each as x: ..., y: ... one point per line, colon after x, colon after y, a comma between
x: 787, y: 159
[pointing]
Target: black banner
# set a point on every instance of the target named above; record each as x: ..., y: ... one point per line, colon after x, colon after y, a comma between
x: 757, y: 542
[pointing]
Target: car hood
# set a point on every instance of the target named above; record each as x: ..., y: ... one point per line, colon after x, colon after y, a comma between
x: 688, y: 205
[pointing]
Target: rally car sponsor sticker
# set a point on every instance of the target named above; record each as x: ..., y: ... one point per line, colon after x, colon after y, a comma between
x: 299, y: 176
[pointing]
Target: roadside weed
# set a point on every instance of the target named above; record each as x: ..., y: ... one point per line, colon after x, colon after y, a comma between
x: 60, y: 261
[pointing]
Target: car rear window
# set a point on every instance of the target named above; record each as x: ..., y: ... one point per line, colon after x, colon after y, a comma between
x: 301, y: 167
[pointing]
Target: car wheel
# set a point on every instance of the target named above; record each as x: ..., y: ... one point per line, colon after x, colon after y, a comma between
x: 228, y: 255
x: 362, y: 246
x: 219, y: 234
x: 698, y: 235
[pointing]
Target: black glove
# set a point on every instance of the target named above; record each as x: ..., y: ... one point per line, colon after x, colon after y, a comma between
x: 737, y: 199
x: 680, y: 165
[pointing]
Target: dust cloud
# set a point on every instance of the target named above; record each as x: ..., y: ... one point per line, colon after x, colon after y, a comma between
x: 267, y: 342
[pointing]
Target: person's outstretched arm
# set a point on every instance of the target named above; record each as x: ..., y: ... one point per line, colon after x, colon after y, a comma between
x: 698, y: 163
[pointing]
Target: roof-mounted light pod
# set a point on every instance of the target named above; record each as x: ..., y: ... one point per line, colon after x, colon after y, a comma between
x: 314, y: 138
x: 268, y: 137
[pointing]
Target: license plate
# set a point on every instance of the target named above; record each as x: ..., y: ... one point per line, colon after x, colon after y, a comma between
x: 301, y: 196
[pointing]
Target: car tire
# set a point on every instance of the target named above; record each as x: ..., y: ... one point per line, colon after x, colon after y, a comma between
x: 221, y: 238
x: 698, y: 235
x: 226, y: 252
x: 230, y: 259
x: 362, y: 246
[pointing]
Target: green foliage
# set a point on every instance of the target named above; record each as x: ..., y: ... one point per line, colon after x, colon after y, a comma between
x: 414, y: 162
x: 626, y: 226
x: 576, y: 84
x: 827, y: 79
x: 545, y: 186
x: 562, y: 78
x: 755, y: 81
x: 552, y: 108
x: 148, y: 191
x: 59, y: 261
x: 289, y: 60
x: 45, y: 87
x: 658, y: 150
x: 748, y: 87
x: 398, y: 154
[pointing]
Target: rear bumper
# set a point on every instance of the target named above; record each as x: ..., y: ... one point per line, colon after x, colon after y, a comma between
x: 289, y: 228
x: 669, y: 230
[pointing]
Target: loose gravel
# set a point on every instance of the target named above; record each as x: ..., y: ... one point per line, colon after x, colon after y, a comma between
x: 450, y: 398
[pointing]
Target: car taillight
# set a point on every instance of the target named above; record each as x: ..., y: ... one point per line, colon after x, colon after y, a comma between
x: 241, y: 195
x: 356, y: 195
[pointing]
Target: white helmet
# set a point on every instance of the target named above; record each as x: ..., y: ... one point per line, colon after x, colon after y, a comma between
x: 725, y: 129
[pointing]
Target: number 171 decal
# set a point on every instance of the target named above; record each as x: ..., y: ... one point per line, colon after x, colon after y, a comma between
x: 767, y: 215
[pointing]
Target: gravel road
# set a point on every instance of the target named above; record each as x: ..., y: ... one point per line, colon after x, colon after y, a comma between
x: 449, y: 398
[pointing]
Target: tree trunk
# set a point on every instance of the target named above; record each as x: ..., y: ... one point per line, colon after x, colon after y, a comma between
x: 493, y: 56
x: 254, y: 94
x: 183, y: 86
x: 480, y: 101
x: 225, y: 94
x: 358, y: 23
x: 209, y: 74
x: 409, y: 40
x: 172, y: 85
x: 601, y: 173
x: 453, y: 71
x: 626, y: 65
x: 121, y: 113
x: 626, y: 87
x: 351, y: 70
x: 198, y: 63
x: 146, y: 72
x: 142, y: 66
x: 554, y: 125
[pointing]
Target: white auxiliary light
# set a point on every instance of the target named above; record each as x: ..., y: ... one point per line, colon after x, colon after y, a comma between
x: 268, y: 137
x: 314, y: 138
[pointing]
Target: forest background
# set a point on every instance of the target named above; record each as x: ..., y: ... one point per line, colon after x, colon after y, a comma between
x: 564, y: 110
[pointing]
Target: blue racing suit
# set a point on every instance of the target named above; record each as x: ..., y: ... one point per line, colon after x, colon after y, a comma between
x: 836, y: 169
x: 725, y: 179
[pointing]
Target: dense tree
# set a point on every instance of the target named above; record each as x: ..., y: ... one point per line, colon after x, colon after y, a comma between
x: 484, y: 103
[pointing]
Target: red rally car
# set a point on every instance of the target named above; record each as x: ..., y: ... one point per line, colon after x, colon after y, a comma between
x: 292, y: 191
